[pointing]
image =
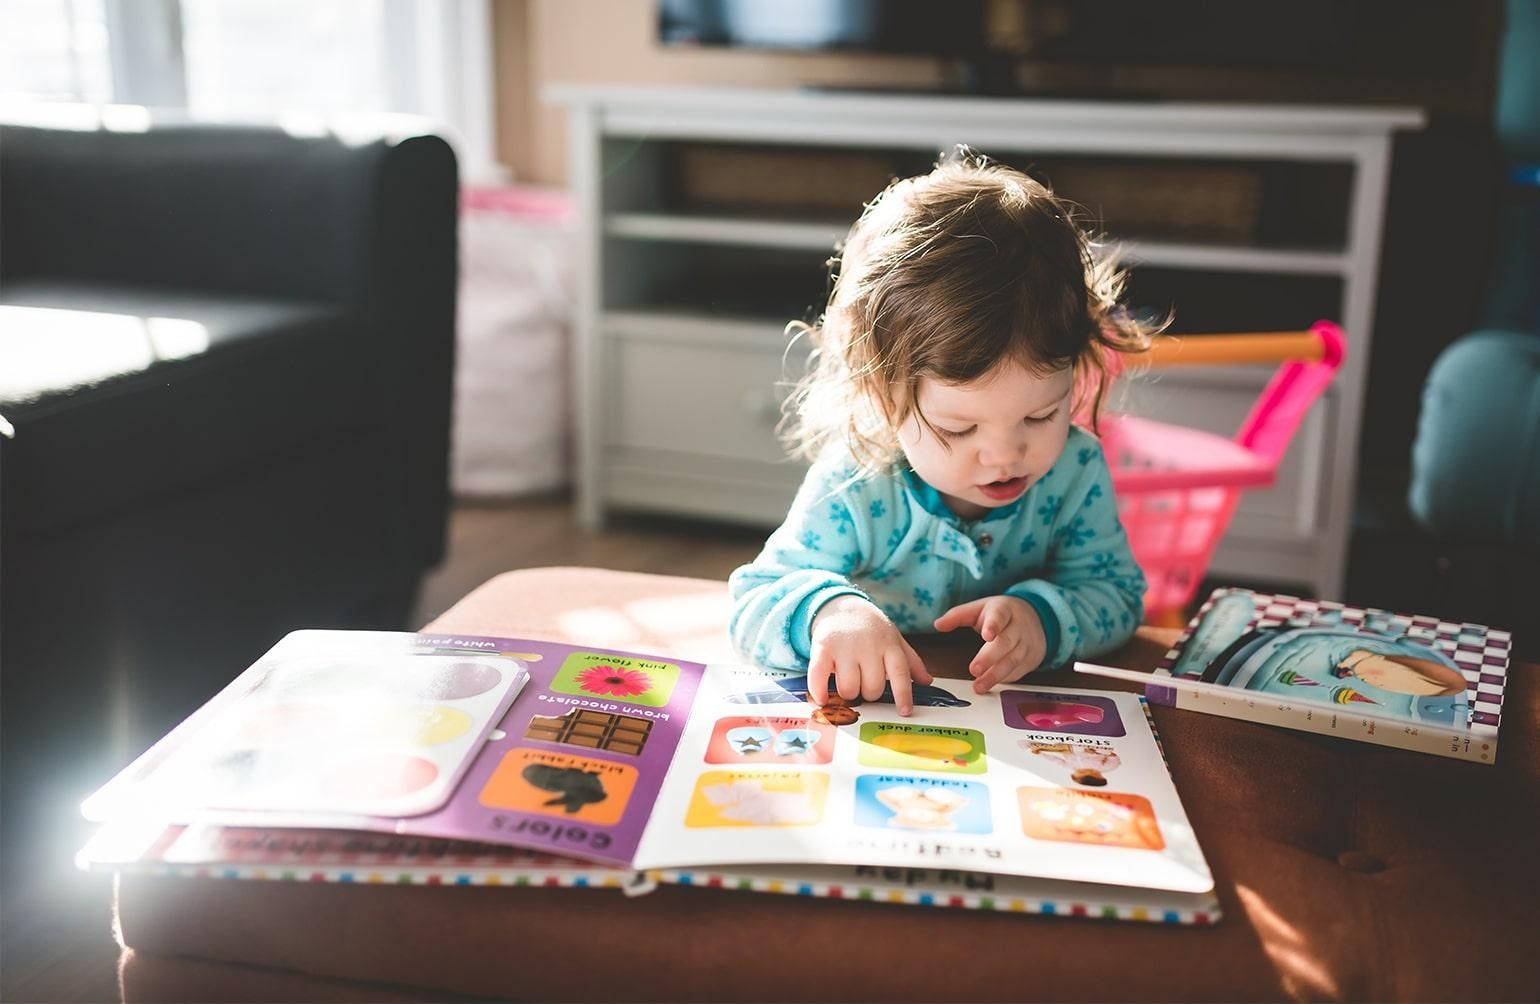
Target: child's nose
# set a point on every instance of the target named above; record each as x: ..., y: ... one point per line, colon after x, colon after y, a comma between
x: 1002, y: 450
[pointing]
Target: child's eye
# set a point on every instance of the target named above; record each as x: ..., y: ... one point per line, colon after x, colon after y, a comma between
x: 1040, y: 419
x: 955, y: 434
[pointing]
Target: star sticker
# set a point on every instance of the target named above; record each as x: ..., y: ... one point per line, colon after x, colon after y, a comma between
x: 750, y: 745
x: 797, y: 743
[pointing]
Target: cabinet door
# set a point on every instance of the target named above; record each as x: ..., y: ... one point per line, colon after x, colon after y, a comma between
x: 697, y: 398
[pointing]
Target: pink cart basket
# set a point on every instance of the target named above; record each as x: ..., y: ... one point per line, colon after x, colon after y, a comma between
x: 1177, y: 487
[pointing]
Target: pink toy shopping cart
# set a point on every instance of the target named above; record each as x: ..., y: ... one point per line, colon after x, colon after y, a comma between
x: 1177, y: 487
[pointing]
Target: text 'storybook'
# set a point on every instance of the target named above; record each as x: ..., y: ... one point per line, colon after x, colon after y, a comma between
x: 715, y: 775
x: 1393, y: 679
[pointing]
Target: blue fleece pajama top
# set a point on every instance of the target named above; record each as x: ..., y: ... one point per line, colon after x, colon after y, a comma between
x: 892, y: 539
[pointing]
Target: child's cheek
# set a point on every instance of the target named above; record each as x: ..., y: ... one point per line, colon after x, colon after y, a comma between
x: 1052, y: 445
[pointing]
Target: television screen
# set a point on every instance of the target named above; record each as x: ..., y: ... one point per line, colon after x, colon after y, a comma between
x: 1353, y: 38
x: 930, y: 27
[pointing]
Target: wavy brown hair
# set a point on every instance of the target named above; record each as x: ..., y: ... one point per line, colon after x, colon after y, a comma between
x: 946, y: 275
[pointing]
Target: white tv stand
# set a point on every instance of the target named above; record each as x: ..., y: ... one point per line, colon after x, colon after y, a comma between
x: 677, y: 399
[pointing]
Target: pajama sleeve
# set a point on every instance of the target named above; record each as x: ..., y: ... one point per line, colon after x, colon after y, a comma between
x: 806, y: 563
x: 1090, y: 594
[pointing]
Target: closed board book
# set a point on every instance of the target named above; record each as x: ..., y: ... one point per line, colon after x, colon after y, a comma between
x: 1413, y: 682
x: 1026, y: 798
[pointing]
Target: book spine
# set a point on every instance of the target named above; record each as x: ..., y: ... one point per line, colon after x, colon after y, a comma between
x: 1328, y: 722
x: 387, y: 874
x: 947, y: 896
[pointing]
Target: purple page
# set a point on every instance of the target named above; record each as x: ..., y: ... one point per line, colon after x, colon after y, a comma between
x: 577, y: 761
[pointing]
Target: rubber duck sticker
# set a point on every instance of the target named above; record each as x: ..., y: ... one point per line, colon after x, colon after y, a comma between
x: 938, y: 751
x: 907, y: 746
x: 574, y: 788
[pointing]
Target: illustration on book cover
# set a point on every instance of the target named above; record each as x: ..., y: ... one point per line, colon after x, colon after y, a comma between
x: 1362, y: 659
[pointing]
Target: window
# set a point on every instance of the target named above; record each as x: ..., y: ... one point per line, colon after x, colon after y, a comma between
x: 56, y: 50
x: 249, y: 59
x: 255, y: 59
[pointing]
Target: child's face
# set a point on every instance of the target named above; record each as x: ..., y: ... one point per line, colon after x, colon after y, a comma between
x: 995, y: 436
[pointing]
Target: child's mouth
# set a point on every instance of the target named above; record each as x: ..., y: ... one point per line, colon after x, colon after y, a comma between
x: 1004, y: 491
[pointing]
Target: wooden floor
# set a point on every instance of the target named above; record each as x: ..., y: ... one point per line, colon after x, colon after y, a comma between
x: 55, y: 922
x: 488, y: 539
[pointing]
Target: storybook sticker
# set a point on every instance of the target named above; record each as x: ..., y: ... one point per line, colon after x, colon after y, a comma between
x: 559, y: 784
x: 741, y: 798
x: 929, y: 804
x: 901, y: 746
x: 1086, y: 761
x: 1089, y: 817
x: 616, y: 678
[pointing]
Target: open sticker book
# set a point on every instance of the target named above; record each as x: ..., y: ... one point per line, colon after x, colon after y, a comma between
x: 688, y: 773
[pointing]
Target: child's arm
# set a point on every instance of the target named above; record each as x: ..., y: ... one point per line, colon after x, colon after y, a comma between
x: 796, y: 605
x: 806, y: 563
x: 1090, y: 596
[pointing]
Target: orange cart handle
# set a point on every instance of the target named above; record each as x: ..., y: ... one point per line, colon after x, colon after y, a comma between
x: 1234, y: 350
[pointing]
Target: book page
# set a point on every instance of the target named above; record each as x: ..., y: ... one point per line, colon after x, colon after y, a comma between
x: 327, y: 723
x: 421, y: 735
x: 1031, y: 781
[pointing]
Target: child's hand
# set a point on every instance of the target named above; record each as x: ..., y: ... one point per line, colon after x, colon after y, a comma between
x: 861, y: 647
x: 1014, y: 642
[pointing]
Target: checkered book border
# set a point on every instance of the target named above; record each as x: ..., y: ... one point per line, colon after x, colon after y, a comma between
x: 1480, y: 652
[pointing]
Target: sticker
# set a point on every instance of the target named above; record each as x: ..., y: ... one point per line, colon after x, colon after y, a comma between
x: 780, y: 798
x: 770, y: 740
x: 1087, y: 761
x: 1089, y: 817
x: 1072, y: 714
x: 560, y: 784
x: 897, y: 745
x: 598, y: 730
x: 930, y: 804
x: 617, y: 678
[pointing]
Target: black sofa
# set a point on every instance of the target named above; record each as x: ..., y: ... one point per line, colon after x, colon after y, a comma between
x: 243, y: 431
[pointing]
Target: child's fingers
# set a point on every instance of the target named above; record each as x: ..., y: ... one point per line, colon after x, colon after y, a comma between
x: 847, y: 679
x: 818, y: 671
x: 896, y: 666
x: 962, y: 615
x: 1002, y: 670
x: 997, y: 617
x: 990, y: 653
x: 917, y: 670
x: 874, y: 677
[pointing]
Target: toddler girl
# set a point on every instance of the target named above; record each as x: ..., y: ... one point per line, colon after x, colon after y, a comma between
x: 949, y: 488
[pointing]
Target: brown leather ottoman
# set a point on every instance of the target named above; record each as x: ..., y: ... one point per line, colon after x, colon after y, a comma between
x: 1345, y: 872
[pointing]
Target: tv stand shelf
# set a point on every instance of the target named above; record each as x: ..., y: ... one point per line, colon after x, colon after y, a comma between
x: 681, y: 354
